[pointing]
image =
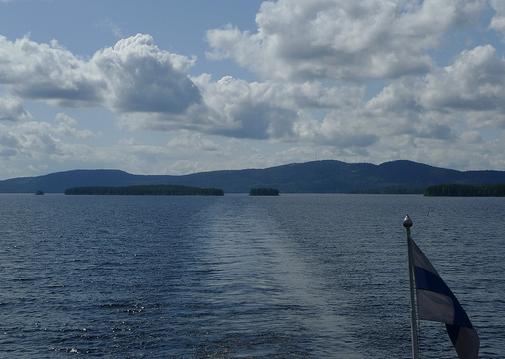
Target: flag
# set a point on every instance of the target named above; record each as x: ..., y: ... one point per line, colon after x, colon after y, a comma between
x: 436, y: 302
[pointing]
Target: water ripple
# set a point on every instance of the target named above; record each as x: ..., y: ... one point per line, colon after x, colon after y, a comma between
x: 298, y: 276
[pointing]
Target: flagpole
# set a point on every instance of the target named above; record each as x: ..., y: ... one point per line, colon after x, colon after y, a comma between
x: 407, y: 223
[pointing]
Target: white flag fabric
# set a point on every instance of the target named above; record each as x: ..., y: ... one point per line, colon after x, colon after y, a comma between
x: 436, y: 302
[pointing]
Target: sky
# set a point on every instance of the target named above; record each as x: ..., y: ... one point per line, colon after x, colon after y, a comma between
x: 175, y: 87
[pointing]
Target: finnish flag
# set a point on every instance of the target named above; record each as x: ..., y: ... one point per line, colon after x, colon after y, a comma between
x: 436, y: 302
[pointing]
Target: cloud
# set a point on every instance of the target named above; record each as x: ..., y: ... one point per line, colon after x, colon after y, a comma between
x: 140, y: 77
x: 241, y: 109
x: 47, y: 72
x: 11, y: 109
x: 151, y: 89
x: 340, y: 130
x: 337, y: 39
x: 132, y: 76
x: 498, y: 20
x: 39, y: 139
x: 67, y: 126
x: 468, y: 93
x: 267, y: 111
x: 475, y: 81
x: 188, y: 140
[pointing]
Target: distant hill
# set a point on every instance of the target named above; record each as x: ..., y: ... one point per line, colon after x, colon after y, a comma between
x: 317, y: 177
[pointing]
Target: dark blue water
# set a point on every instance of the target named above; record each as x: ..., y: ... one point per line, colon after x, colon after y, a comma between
x: 298, y: 276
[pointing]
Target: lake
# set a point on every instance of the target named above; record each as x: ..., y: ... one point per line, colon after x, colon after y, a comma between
x: 294, y: 276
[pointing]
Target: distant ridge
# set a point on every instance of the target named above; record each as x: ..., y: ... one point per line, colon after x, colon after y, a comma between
x: 328, y: 176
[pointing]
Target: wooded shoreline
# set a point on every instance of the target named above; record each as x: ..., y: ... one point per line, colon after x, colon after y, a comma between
x: 146, y: 190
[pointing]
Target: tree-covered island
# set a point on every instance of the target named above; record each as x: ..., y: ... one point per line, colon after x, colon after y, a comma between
x: 464, y: 190
x: 263, y: 192
x: 146, y: 190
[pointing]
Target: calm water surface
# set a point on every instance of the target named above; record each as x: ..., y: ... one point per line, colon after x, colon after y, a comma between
x: 298, y: 276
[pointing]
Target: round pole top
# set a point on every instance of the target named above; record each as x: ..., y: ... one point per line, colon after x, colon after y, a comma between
x: 407, y: 222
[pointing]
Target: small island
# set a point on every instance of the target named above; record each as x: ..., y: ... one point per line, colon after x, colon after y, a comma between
x: 146, y: 190
x: 263, y: 192
x: 39, y: 193
x: 464, y: 190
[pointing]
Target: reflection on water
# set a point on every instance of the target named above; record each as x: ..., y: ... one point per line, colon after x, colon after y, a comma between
x: 291, y: 276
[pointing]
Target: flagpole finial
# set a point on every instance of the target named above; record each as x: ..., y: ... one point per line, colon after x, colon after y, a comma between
x: 407, y: 222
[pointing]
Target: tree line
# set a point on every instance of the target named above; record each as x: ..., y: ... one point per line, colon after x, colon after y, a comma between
x: 146, y: 190
x: 465, y: 190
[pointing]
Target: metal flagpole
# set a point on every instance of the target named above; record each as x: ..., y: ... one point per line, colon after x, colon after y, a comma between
x: 407, y: 223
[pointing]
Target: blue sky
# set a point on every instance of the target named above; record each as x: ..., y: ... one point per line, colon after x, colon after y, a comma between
x: 183, y: 86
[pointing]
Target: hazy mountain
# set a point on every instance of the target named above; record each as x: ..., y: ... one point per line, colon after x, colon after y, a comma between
x: 316, y: 176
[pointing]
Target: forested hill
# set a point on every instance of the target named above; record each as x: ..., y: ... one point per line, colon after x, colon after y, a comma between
x: 316, y: 177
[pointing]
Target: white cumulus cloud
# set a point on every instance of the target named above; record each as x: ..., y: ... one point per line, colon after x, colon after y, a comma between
x: 47, y: 71
x: 134, y: 75
x: 140, y: 77
x: 475, y: 81
x: 341, y: 39
x: 498, y: 20
x: 12, y: 109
